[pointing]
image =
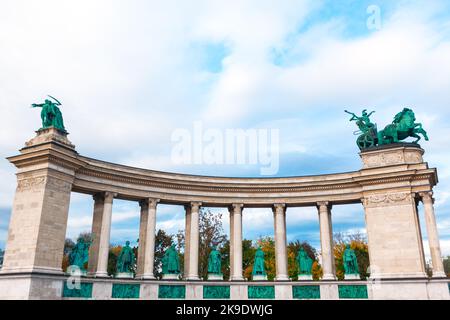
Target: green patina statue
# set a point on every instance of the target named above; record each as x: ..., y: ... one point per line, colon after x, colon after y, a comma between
x: 214, y: 262
x: 80, y: 254
x: 258, y: 265
x: 304, y: 262
x: 51, y: 116
x: 171, y: 261
x: 402, y: 127
x: 126, y: 259
x: 350, y: 261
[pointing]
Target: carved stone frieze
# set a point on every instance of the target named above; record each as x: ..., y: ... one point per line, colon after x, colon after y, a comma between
x: 387, y: 199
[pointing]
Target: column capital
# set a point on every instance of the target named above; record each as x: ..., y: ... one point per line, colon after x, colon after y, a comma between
x: 235, y: 206
x: 320, y: 204
x: 196, y: 204
x: 107, y: 195
x: 278, y: 207
x: 426, y: 197
x: 151, y: 202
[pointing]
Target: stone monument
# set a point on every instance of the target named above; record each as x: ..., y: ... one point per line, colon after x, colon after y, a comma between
x: 125, y: 262
x: 305, y: 264
x: 215, y: 265
x: 350, y: 264
x: 259, y: 269
x: 171, y: 264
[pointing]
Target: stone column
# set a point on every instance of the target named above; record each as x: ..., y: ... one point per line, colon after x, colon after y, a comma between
x: 236, y: 253
x: 146, y: 250
x: 433, y: 236
x: 231, y: 241
x: 326, y: 240
x: 101, y: 229
x: 194, y: 242
x: 187, y: 240
x: 279, y: 214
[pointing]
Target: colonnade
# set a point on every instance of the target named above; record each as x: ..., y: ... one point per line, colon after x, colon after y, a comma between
x: 101, y: 227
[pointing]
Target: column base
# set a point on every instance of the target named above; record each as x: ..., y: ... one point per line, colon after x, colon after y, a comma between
x: 329, y: 277
x: 283, y: 277
x: 236, y: 278
x: 193, y: 278
x: 101, y: 275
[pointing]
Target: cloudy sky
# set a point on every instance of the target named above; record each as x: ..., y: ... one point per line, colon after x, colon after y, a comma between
x: 129, y: 73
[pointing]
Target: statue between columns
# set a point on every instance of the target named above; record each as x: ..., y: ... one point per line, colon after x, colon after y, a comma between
x: 79, y: 255
x: 350, y: 263
x: 259, y: 270
x: 305, y: 264
x: 171, y: 264
x: 125, y: 262
x: 215, y: 265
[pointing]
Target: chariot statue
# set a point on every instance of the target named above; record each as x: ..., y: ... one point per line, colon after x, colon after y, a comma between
x: 402, y: 127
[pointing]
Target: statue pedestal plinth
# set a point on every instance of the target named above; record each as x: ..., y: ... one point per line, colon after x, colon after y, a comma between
x: 170, y: 276
x: 259, y: 277
x: 305, y: 277
x: 215, y: 276
x: 392, y: 154
x: 354, y: 276
x: 50, y: 134
x: 124, y: 275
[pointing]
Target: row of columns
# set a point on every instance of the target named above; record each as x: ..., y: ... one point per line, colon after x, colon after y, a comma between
x: 101, y: 226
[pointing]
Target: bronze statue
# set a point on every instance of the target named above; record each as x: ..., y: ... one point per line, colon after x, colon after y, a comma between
x: 51, y: 116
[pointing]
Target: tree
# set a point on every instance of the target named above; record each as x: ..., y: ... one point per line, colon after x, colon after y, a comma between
x: 113, y: 254
x: 248, y: 255
x: 447, y: 266
x: 162, y: 242
x: 267, y: 245
x: 358, y: 243
x: 2, y: 253
x: 225, y: 252
x: 211, y: 234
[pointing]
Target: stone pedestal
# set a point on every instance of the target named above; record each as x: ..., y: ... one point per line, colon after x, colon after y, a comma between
x: 352, y: 277
x: 393, y: 231
x: 215, y: 276
x: 124, y: 275
x: 305, y: 277
x: 259, y: 277
x: 170, y: 276
x: 37, y: 229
